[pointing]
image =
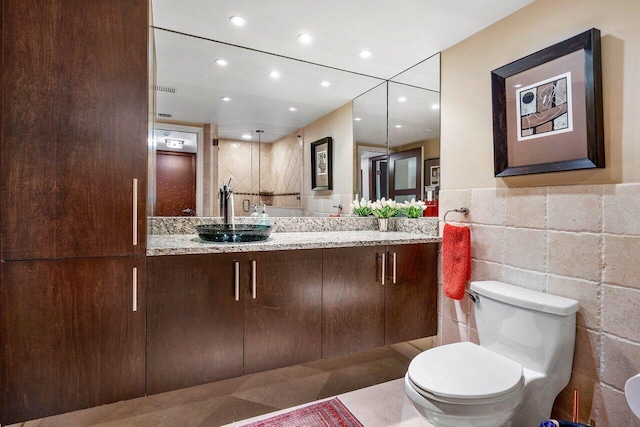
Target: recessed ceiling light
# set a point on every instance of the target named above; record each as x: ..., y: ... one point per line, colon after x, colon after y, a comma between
x: 221, y: 62
x: 398, y: 126
x: 357, y: 119
x: 365, y: 53
x: 225, y: 99
x: 435, y: 106
x: 274, y: 74
x: 238, y: 21
x: 246, y: 136
x: 324, y: 83
x: 305, y: 38
x: 293, y: 109
x: 517, y: 86
x: 402, y: 99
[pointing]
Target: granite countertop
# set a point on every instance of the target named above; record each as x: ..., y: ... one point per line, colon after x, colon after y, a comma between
x: 182, y: 244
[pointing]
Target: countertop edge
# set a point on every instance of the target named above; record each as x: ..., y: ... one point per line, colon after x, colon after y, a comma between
x: 190, y: 244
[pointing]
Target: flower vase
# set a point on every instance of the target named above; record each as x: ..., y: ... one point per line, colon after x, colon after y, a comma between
x: 383, y: 224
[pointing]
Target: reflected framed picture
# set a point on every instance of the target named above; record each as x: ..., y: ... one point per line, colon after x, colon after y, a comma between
x: 432, y: 172
x: 547, y: 109
x: 321, y: 165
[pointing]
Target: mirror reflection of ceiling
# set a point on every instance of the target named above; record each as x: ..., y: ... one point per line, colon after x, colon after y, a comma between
x: 256, y: 100
x: 399, y: 33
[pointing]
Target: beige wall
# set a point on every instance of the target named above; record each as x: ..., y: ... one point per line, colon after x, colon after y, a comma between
x: 338, y: 124
x: 467, y: 148
x: 580, y: 241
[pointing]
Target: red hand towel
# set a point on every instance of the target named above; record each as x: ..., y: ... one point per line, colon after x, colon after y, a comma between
x: 456, y: 260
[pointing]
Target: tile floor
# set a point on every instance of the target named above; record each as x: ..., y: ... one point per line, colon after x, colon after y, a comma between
x: 236, y: 399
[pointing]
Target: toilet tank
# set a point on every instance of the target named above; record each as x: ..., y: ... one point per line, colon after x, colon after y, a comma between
x: 532, y: 328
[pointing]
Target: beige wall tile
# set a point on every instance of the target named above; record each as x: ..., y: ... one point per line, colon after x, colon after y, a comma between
x: 482, y: 270
x: 586, y: 293
x: 525, y: 248
x: 575, y: 255
x: 456, y: 310
x: 587, y: 387
x: 586, y: 357
x: 621, y: 360
x: 620, y: 313
x: 487, y: 242
x: 622, y: 260
x: 621, y: 209
x: 473, y: 336
x: 613, y: 409
x: 452, y: 331
x: 526, y: 207
x: 454, y: 199
x: 575, y: 208
x: 487, y: 206
x: 524, y: 278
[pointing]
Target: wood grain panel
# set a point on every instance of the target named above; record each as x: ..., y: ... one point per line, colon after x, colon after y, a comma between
x: 194, y: 331
x: 69, y: 337
x: 411, y: 302
x: 282, y: 325
x: 352, y: 300
x: 74, y: 124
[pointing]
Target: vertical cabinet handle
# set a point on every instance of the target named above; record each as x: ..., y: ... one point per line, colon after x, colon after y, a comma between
x: 135, y: 212
x: 135, y: 289
x: 236, y: 266
x: 254, y: 282
x: 394, y: 267
x: 384, y: 265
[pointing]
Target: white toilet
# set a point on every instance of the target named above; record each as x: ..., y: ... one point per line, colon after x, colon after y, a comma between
x: 513, y: 377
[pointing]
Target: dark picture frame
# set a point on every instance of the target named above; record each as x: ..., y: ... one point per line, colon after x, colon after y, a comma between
x: 544, y: 118
x: 322, y: 164
x: 431, y: 165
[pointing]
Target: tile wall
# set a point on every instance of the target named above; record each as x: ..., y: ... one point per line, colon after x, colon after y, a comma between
x: 581, y: 242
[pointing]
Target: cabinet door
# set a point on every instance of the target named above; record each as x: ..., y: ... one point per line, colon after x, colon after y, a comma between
x: 411, y: 292
x: 74, y: 128
x: 283, y: 315
x: 352, y: 300
x: 194, y: 322
x: 70, y: 337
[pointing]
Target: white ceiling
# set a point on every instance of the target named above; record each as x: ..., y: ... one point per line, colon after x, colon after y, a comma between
x: 400, y: 33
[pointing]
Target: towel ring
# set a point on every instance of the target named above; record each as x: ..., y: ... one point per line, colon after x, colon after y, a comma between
x: 463, y: 210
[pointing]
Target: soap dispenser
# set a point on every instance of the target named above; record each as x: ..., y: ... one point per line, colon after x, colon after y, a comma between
x: 255, y: 213
x: 264, y: 218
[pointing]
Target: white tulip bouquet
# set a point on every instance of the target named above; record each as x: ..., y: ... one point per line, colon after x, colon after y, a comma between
x: 384, y: 208
x: 412, y: 209
x: 362, y: 207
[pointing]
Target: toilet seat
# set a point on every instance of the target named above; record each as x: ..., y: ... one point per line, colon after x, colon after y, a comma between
x: 465, y: 373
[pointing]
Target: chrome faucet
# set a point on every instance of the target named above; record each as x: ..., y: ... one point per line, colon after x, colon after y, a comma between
x: 226, y: 203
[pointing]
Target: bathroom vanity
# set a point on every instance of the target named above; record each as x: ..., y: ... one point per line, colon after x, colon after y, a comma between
x: 217, y: 311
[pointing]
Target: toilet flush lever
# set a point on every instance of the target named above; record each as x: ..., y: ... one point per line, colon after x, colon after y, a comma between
x: 474, y: 297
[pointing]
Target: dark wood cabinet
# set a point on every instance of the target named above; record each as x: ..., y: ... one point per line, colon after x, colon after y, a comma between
x: 282, y: 318
x: 69, y: 335
x: 352, y: 300
x: 195, y: 320
x: 74, y: 128
x: 411, y: 292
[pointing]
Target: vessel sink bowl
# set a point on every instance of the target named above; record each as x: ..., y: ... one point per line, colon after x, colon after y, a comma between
x: 229, y: 233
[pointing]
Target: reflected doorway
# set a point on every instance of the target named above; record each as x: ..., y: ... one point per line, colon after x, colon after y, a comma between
x: 378, y: 177
x: 175, y: 184
x: 405, y: 175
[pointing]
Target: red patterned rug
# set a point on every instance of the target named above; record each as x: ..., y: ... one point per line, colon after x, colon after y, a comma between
x: 330, y: 413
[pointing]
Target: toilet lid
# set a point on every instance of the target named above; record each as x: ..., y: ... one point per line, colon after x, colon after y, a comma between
x: 464, y: 371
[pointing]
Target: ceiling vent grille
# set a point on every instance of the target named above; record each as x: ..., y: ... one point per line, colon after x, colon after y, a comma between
x: 165, y: 115
x: 167, y: 89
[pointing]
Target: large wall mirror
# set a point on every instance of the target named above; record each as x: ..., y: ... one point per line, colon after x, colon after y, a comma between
x: 226, y: 112
x: 397, y: 134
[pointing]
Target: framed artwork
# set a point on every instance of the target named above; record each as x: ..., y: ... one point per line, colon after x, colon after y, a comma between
x: 547, y: 109
x: 321, y: 165
x: 432, y: 172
